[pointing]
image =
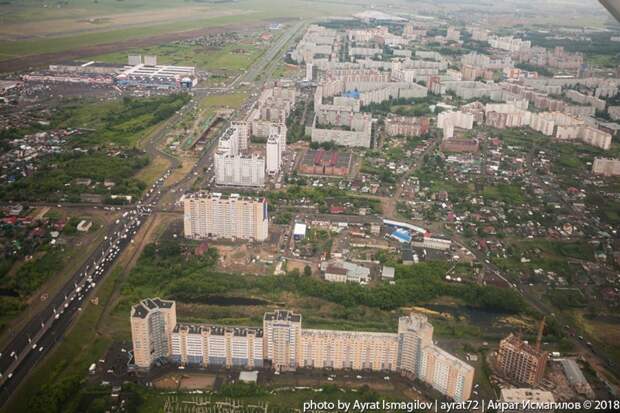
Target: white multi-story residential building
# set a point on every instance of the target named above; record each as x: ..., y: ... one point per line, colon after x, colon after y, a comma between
x: 276, y: 145
x: 509, y: 43
x: 229, y: 142
x: 419, y: 357
x: 614, y: 112
x: 152, y: 321
x: 243, y: 130
x: 218, y: 216
x: 447, y: 121
x: 274, y: 158
x: 233, y: 168
x: 239, y: 170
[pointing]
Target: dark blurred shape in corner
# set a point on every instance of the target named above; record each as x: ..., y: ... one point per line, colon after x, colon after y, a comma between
x: 613, y: 6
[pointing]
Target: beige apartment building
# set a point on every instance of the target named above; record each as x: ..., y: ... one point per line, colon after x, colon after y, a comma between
x: 606, y: 167
x: 214, y: 215
x: 282, y: 344
x: 282, y: 339
x: 152, y: 322
x: 349, y: 350
x: 217, y: 346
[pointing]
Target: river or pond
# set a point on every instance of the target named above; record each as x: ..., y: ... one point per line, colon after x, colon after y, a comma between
x: 7, y: 292
x: 476, y: 316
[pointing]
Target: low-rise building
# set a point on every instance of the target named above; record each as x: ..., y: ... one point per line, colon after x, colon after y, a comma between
x: 322, y: 162
x: 526, y: 400
x: 460, y: 145
x: 344, y: 271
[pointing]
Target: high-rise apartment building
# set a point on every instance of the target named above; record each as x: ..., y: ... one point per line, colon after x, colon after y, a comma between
x: 283, y: 344
x: 521, y: 362
x: 239, y: 170
x: 276, y: 145
x: 273, y: 155
x: 419, y: 358
x: 229, y: 142
x: 233, y: 168
x: 243, y: 131
x: 213, y: 215
x: 446, y: 373
x: 415, y: 334
x: 406, y: 126
x: 606, y: 167
x: 217, y: 346
x: 282, y: 339
x: 152, y: 321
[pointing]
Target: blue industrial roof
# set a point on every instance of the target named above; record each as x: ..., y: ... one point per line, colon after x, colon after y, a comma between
x: 401, y: 235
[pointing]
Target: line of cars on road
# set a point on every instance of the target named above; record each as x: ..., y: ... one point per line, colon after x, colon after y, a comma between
x: 70, y: 298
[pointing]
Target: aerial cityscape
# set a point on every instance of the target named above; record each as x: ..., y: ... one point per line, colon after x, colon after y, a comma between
x: 264, y: 206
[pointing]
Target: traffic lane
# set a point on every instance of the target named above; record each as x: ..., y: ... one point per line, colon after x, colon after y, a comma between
x: 105, y: 253
x: 33, y: 327
x: 66, y: 313
x: 32, y: 358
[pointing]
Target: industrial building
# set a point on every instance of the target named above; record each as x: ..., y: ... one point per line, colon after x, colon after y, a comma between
x: 138, y: 72
x: 149, y: 74
x: 343, y: 271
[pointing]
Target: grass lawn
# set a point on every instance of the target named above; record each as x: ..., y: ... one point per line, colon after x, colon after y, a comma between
x: 153, y: 170
x: 511, y: 194
x: 232, y: 57
x: 210, y: 104
x: 123, y: 122
x: 603, y: 333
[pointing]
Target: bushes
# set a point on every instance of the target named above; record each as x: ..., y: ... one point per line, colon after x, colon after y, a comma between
x: 194, y: 280
x: 51, y: 397
x: 49, y: 182
x: 34, y: 273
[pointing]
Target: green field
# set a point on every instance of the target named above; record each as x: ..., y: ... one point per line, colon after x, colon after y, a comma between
x: 232, y: 57
x: 123, y: 122
x: 70, y: 35
x: 114, y: 134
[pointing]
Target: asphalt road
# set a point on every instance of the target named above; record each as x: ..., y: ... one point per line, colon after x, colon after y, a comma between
x: 30, y: 344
